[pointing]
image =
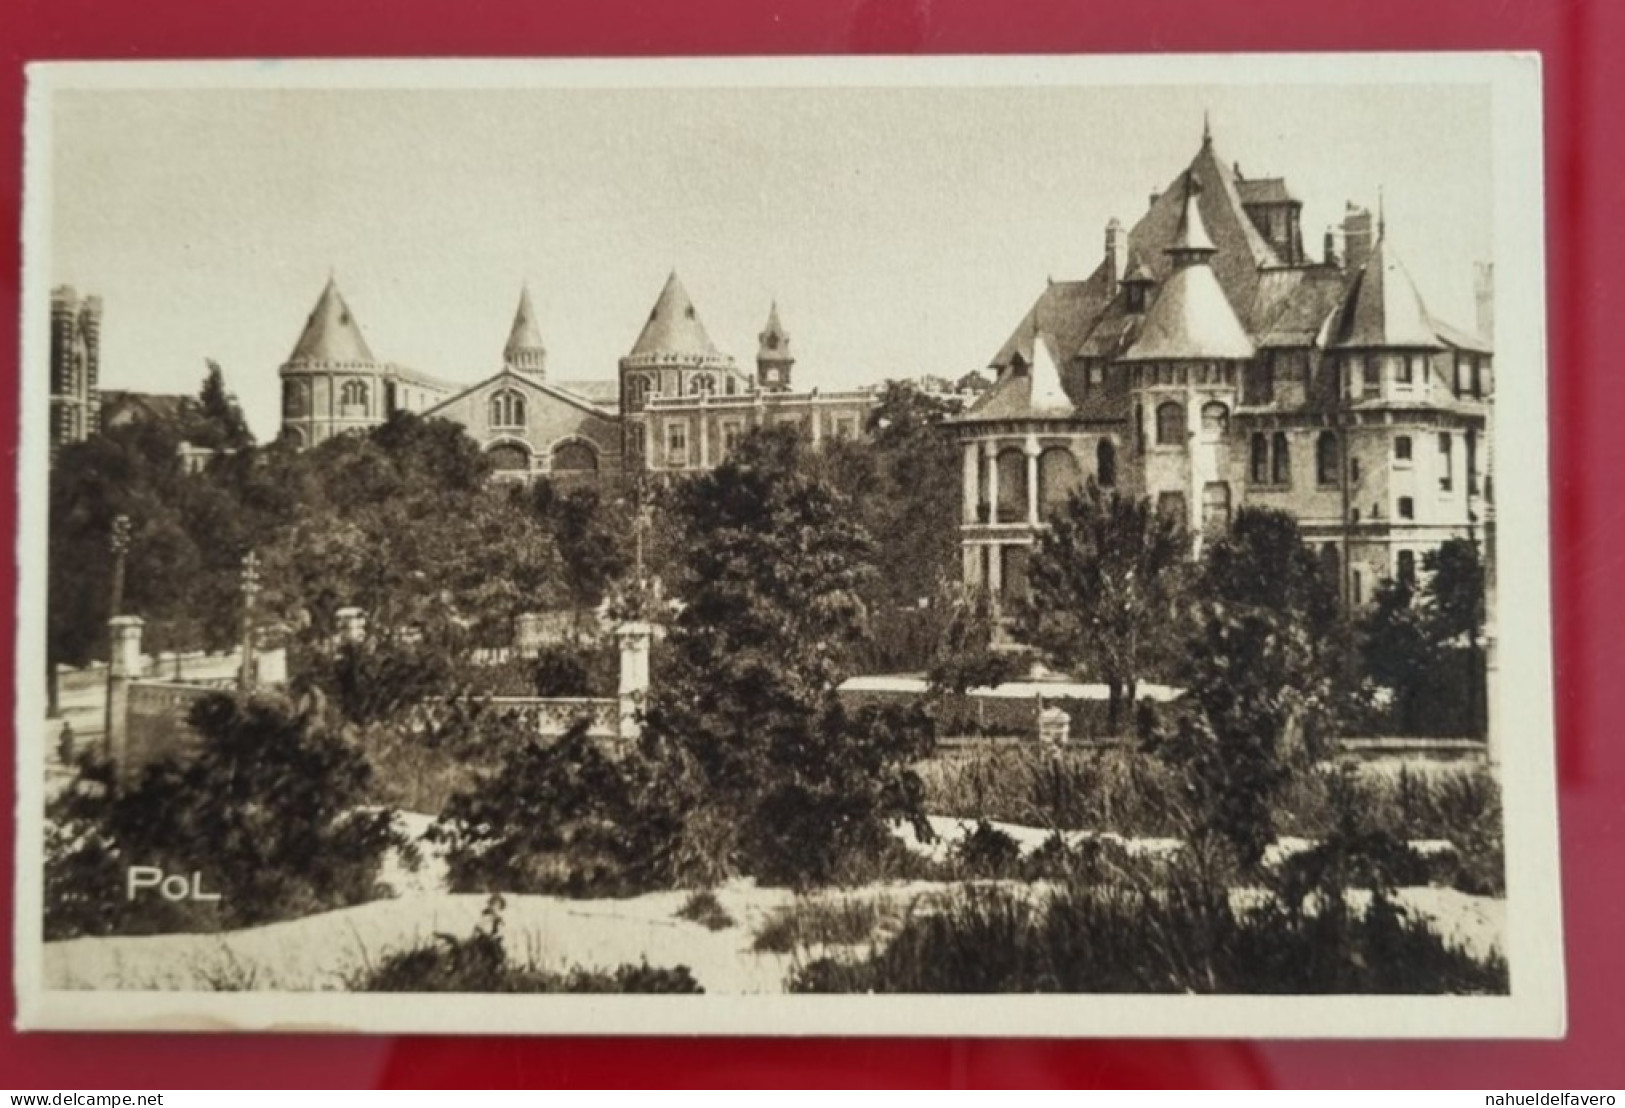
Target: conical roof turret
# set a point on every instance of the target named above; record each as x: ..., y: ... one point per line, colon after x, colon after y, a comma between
x: 1382, y: 308
x: 331, y: 333
x: 674, y: 326
x: 525, y: 350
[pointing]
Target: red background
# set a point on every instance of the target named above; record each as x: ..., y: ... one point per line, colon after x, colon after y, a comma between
x: 1586, y: 238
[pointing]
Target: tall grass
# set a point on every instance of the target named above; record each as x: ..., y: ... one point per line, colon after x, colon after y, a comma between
x: 1185, y: 936
x: 1131, y: 793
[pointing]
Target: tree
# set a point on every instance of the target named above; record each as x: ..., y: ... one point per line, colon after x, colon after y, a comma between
x: 1104, y: 578
x: 594, y: 537
x: 966, y: 657
x: 744, y: 712
x: 218, y: 423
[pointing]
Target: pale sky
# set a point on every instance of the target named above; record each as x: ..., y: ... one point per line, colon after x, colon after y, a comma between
x: 902, y: 231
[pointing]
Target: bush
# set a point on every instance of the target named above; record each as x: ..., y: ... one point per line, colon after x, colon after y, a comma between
x: 267, y: 810
x: 566, y: 818
x: 479, y: 964
x: 838, y: 922
x: 703, y: 907
x: 987, y: 852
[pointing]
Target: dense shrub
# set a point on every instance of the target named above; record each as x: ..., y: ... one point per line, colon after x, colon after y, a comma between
x: 267, y: 810
x: 567, y: 818
x: 480, y: 964
x: 987, y: 852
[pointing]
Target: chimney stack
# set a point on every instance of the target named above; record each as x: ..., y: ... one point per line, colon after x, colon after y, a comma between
x: 1484, y: 298
x: 1358, y: 237
x: 1331, y: 246
x: 1114, y: 258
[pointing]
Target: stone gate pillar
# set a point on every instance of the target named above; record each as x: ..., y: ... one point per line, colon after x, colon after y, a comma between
x: 529, y: 633
x: 633, y: 638
x: 123, y: 666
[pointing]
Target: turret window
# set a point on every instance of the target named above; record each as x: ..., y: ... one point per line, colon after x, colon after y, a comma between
x: 1170, y: 424
x: 1215, y: 422
x: 353, y: 397
x: 1106, y: 464
x: 295, y: 400
x: 1371, y: 376
x: 508, y: 409
x: 1402, y: 451
x: 702, y: 384
x: 1447, y: 462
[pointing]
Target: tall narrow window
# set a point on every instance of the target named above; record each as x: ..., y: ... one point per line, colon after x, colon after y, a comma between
x: 353, y: 394
x: 1407, y: 507
x: 1472, y: 462
x: 1260, y: 458
x: 1170, y: 424
x: 1215, y: 422
x: 1371, y: 376
x: 1447, y: 462
x: 1402, y: 450
x: 1405, y: 369
x: 1280, y: 459
x: 1326, y: 458
x: 1215, y: 508
x: 1106, y: 464
x: 508, y: 409
x: 1407, y: 566
x: 1139, y: 428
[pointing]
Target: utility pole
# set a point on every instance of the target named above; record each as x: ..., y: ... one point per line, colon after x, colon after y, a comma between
x: 120, y: 545
x: 251, y: 588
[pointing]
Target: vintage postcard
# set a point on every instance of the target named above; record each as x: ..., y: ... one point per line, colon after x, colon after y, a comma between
x: 982, y: 546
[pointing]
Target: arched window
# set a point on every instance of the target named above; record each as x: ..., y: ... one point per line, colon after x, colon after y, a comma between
x: 1280, y: 459
x: 1215, y: 422
x: 508, y: 408
x: 1012, y: 473
x: 1058, y: 475
x: 353, y: 394
x: 295, y: 399
x: 1215, y: 507
x: 1259, y: 459
x: 702, y: 384
x: 1106, y: 464
x: 295, y: 437
x: 638, y: 388
x: 574, y: 455
x: 1170, y: 424
x: 1139, y: 428
x: 1326, y: 458
x: 509, y: 457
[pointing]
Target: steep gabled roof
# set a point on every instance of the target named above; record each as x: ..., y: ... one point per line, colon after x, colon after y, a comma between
x: 1030, y: 388
x: 1293, y: 305
x: 674, y: 326
x: 1264, y: 190
x: 331, y: 333
x: 526, y: 381
x: 1068, y: 309
x: 1382, y: 308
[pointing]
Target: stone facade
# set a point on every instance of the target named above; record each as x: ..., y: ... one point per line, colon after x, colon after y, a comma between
x: 1208, y: 363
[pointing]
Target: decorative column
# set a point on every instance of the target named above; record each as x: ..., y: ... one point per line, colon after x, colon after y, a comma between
x: 251, y: 589
x: 528, y: 633
x: 120, y: 544
x: 705, y: 431
x: 972, y: 558
x: 1030, y: 447
x: 633, y: 639
x: 972, y: 484
x: 990, y: 458
x: 123, y: 665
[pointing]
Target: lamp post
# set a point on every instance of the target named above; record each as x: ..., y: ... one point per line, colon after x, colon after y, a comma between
x: 119, y: 543
x: 251, y: 588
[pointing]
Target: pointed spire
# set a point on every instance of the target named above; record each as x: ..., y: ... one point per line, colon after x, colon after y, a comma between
x: 773, y: 358
x: 1207, y: 129
x: 1382, y: 214
x: 1382, y: 308
x: 525, y: 350
x: 1191, y: 241
x: 1048, y: 396
x: 331, y: 334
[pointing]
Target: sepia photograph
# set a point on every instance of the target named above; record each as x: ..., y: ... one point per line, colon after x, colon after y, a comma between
x: 1043, y: 546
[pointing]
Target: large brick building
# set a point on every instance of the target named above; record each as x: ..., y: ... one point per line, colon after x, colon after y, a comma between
x: 76, y: 356
x: 678, y: 402
x: 1208, y: 361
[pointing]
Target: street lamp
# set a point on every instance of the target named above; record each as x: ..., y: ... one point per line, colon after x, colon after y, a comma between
x: 251, y: 588
x: 119, y: 542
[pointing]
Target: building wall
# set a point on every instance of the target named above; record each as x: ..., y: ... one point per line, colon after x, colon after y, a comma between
x: 76, y: 325
x: 314, y: 407
x: 545, y: 433
x: 687, y: 433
